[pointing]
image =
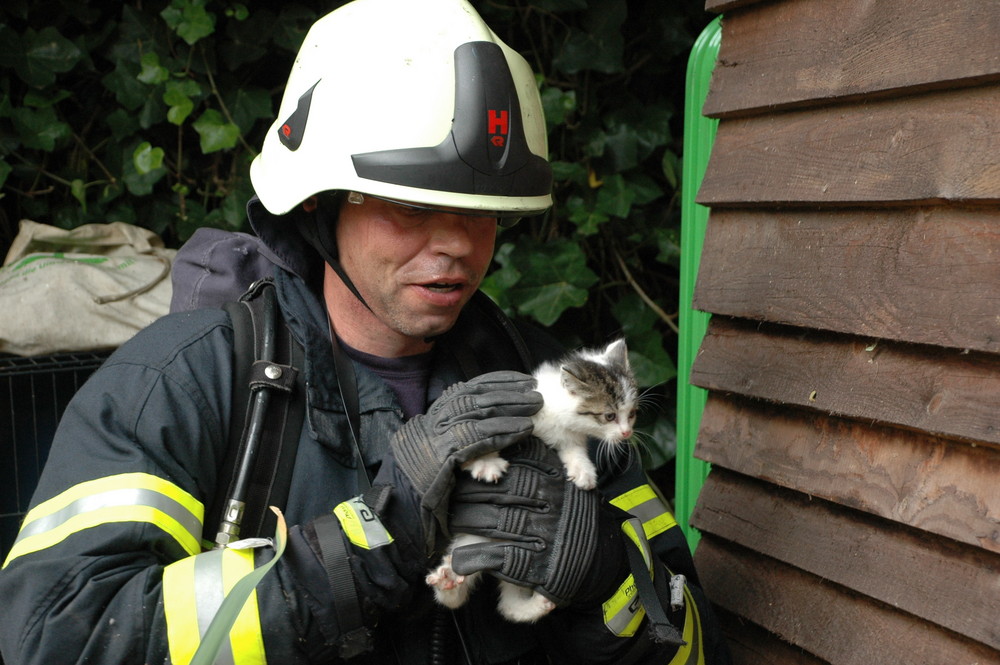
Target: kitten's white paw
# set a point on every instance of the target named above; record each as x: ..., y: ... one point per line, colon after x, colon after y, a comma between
x: 450, y: 588
x: 582, y: 473
x: 522, y: 605
x: 490, y: 468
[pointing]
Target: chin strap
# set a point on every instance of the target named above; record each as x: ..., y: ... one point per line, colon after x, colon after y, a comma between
x: 317, y: 229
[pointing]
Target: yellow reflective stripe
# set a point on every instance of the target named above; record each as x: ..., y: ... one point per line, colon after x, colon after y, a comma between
x: 180, y: 608
x: 245, y: 637
x: 691, y: 653
x: 623, y: 612
x: 193, y: 591
x: 646, y: 504
x: 362, y: 526
x: 128, y: 497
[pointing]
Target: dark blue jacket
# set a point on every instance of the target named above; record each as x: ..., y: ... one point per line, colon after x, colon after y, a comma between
x: 140, y: 452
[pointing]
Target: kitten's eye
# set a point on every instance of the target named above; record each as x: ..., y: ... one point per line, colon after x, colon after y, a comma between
x: 610, y: 417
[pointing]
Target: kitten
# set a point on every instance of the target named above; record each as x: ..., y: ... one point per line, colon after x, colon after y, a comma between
x: 588, y: 394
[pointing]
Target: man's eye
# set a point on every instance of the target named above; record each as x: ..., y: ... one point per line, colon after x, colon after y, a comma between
x: 407, y: 216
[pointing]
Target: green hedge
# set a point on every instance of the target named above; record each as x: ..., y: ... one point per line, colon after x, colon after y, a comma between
x: 149, y: 113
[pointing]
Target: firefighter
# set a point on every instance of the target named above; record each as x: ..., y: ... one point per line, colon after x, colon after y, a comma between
x: 407, y: 133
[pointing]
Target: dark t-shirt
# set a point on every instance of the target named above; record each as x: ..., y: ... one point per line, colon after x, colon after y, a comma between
x: 407, y: 376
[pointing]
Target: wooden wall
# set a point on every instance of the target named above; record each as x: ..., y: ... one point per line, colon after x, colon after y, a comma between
x: 852, y: 269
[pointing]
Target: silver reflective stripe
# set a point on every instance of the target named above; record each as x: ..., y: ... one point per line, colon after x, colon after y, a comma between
x: 110, y: 499
x: 646, y: 504
x: 623, y: 609
x: 209, y: 594
x: 361, y: 524
x: 648, y: 510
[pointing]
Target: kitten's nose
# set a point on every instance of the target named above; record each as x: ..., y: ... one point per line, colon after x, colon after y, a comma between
x: 626, y: 433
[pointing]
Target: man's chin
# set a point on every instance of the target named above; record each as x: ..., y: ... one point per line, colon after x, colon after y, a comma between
x: 436, y: 329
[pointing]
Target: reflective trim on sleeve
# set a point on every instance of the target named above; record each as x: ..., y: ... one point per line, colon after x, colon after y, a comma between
x: 193, y: 590
x: 692, y: 652
x: 645, y: 503
x: 623, y: 612
x: 362, y: 526
x: 128, y: 497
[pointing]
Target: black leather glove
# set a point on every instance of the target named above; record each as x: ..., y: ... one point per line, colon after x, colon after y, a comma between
x: 550, y: 536
x: 549, y: 532
x: 468, y: 420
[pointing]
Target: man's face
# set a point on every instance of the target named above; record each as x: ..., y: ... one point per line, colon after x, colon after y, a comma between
x: 415, y: 268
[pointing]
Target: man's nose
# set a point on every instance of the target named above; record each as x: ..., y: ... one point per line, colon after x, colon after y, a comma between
x: 454, y: 235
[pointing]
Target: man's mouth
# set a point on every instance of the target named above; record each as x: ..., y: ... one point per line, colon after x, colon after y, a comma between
x: 440, y: 287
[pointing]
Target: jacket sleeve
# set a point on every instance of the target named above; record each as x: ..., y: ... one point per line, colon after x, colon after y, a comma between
x: 617, y: 630
x: 109, y: 565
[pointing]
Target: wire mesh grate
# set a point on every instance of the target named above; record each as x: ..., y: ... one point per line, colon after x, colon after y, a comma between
x: 33, y: 394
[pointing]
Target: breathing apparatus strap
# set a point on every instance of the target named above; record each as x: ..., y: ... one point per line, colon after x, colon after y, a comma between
x: 347, y: 384
x: 355, y: 638
x: 267, y: 409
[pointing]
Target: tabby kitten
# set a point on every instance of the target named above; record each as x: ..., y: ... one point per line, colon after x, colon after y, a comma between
x: 588, y: 394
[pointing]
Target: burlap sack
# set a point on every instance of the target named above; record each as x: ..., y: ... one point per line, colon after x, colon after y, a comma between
x: 88, y: 288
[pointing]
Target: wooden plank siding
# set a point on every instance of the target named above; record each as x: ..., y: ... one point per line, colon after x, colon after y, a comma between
x: 851, y: 265
x: 939, y: 147
x: 780, y: 55
x: 921, y: 275
x: 801, y: 531
x: 932, y: 484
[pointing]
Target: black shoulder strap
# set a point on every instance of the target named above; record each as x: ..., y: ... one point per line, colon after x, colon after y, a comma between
x: 477, y: 342
x: 268, y: 408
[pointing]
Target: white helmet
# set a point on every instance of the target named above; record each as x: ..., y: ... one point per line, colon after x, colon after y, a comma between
x: 412, y: 100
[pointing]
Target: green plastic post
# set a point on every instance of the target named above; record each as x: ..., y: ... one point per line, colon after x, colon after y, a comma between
x: 699, y: 135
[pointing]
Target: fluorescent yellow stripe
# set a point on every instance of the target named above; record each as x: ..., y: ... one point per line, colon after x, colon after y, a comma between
x: 110, y: 515
x: 692, y: 653
x: 362, y: 526
x: 245, y: 636
x: 193, y: 591
x: 623, y: 612
x: 181, y: 611
x: 634, y: 497
x: 131, y: 497
x: 121, y: 481
x: 658, y: 525
x: 646, y: 504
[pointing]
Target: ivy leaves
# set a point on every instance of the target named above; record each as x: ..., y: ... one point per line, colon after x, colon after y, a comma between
x: 541, y: 280
x: 189, y: 19
x: 37, y: 57
x: 150, y: 113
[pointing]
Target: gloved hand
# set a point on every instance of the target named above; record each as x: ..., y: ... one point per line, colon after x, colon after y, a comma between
x: 552, y: 537
x: 564, y: 543
x: 468, y: 420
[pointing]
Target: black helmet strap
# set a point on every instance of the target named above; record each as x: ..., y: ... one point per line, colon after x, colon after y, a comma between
x: 318, y: 230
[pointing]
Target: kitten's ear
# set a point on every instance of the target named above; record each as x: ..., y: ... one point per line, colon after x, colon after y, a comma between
x: 617, y: 352
x: 571, y: 382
